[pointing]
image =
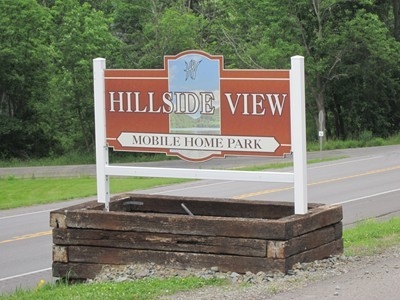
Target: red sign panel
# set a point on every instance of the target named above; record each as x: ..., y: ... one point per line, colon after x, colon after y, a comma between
x: 195, y: 109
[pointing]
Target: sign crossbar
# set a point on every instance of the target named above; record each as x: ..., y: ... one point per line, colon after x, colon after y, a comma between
x: 283, y: 177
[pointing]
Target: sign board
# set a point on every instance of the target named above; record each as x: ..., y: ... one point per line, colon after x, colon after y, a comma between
x: 195, y: 109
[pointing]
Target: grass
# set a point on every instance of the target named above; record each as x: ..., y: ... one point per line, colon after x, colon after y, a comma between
x: 364, y: 140
x: 371, y: 236
x: 82, y: 158
x: 144, y: 289
x: 19, y: 192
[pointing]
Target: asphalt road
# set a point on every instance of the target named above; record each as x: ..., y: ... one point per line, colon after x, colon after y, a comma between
x: 366, y: 182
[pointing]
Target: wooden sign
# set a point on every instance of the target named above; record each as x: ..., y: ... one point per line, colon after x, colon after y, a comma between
x: 195, y: 109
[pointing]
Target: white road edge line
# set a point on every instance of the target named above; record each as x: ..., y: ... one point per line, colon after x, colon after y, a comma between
x: 27, y: 214
x: 191, y: 187
x: 369, y: 196
x: 24, y: 274
x: 344, y: 162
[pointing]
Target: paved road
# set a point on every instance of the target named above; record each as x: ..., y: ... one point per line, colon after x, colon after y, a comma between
x: 227, y: 163
x: 365, y: 183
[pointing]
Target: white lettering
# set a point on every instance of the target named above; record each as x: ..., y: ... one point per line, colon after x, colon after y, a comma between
x: 171, y: 102
x: 258, y: 105
x: 137, y: 103
x: 129, y: 101
x: 119, y: 101
x: 230, y: 102
x: 258, y: 109
x: 151, y: 104
x: 167, y: 100
x: 277, y: 104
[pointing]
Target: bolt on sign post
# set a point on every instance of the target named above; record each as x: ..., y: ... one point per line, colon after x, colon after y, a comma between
x: 197, y: 110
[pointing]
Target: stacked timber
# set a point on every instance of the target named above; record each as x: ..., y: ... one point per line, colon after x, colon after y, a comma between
x: 191, y: 232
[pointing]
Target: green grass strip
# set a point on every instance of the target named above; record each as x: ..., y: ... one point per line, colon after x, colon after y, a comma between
x: 371, y: 236
x: 145, y: 289
x: 17, y: 192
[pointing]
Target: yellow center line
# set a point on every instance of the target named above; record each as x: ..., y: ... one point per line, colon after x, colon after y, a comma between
x: 26, y: 236
x: 243, y: 196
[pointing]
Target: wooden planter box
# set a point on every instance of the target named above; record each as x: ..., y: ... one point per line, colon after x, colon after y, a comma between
x: 235, y: 235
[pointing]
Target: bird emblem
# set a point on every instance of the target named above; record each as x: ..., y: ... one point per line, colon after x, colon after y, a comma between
x: 191, y: 68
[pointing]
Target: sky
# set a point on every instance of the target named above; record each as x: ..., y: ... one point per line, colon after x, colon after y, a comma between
x: 195, y: 73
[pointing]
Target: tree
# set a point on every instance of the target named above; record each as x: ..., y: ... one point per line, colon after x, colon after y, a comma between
x: 368, y: 97
x: 25, y: 59
x: 177, y: 29
x: 324, y: 46
x: 266, y: 33
x: 351, y: 51
x: 253, y: 34
x: 396, y: 14
x: 152, y: 29
x: 80, y: 35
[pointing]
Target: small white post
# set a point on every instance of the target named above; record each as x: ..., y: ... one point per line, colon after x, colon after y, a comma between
x: 103, y: 185
x: 298, y: 134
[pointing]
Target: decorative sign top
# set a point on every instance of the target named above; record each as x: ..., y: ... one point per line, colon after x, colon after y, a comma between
x: 195, y: 109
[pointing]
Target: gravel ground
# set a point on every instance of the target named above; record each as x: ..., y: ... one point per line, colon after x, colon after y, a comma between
x: 276, y: 286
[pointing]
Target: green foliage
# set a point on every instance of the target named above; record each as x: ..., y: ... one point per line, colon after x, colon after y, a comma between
x: 70, y: 158
x: 83, y: 158
x: 365, y: 136
x: 363, y: 100
x: 371, y: 236
x: 366, y: 139
x: 145, y: 289
x: 80, y: 35
x: 25, y: 61
x: 351, y: 49
x: 176, y: 30
x: 18, y: 192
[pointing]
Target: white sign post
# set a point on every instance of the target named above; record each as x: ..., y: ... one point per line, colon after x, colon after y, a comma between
x: 298, y: 132
x: 298, y: 146
x: 103, y: 184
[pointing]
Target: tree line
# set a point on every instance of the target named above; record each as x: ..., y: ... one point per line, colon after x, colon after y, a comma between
x: 351, y: 50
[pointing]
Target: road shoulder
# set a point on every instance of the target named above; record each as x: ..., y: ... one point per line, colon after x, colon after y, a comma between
x: 356, y: 278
